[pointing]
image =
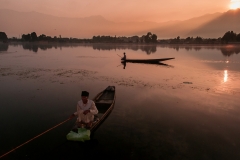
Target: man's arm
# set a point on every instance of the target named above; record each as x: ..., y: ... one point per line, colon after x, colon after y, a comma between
x: 93, y: 109
x: 76, y: 113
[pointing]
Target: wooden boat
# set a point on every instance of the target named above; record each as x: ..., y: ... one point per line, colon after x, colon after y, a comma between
x: 154, y: 63
x: 146, y: 60
x: 104, y: 101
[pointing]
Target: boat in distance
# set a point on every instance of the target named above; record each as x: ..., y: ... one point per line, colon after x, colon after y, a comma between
x: 146, y: 60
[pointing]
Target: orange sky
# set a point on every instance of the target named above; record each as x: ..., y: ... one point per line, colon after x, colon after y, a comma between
x: 122, y: 10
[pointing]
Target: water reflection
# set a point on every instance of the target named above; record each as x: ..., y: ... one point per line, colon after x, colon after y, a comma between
x: 38, y: 80
x: 3, y: 47
x: 226, y: 50
x: 178, y: 47
x: 225, y: 76
x: 34, y: 47
x: 149, y: 49
x: 44, y: 46
x: 124, y: 64
x: 230, y: 50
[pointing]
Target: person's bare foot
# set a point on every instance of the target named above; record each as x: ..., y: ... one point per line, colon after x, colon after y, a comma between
x: 89, y: 125
x: 81, y: 124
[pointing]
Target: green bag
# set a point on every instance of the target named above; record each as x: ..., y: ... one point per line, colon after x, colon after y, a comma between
x: 82, y: 135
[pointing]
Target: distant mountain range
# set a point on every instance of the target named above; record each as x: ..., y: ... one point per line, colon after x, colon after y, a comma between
x: 14, y: 24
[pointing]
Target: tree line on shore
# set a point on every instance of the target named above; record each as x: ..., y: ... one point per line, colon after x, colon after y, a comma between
x: 228, y: 37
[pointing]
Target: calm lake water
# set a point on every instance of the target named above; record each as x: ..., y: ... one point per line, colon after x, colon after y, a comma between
x: 188, y: 108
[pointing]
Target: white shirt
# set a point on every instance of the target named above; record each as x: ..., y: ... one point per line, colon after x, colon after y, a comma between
x: 81, y: 107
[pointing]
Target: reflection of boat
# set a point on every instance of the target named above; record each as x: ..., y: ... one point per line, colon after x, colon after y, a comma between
x: 154, y: 61
x: 104, y: 102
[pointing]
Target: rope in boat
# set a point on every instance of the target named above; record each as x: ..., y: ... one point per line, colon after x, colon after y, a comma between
x: 34, y: 138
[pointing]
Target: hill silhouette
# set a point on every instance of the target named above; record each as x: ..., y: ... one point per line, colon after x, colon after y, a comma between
x: 181, y: 28
x: 14, y: 24
x: 228, y: 21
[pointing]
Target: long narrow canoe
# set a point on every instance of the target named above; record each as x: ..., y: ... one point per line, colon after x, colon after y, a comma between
x: 146, y: 60
x: 104, y: 101
x: 153, y: 62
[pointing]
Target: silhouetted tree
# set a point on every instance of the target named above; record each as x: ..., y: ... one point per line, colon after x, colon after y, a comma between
x: 198, y: 39
x: 30, y: 37
x: 34, y: 36
x: 154, y: 38
x: 175, y: 40
x: 148, y: 37
x: 3, y: 36
x: 26, y: 37
x: 229, y: 36
x: 238, y: 37
x: 43, y: 37
x: 142, y: 39
x: 189, y: 39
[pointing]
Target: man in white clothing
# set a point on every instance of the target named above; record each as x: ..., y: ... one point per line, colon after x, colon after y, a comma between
x: 86, y: 109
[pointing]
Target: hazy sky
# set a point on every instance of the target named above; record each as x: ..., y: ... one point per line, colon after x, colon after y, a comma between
x: 123, y: 10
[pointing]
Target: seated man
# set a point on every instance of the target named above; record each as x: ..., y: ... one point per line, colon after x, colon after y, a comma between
x: 124, y: 57
x: 86, y: 109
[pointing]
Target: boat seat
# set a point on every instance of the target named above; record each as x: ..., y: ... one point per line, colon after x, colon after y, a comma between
x: 104, y: 101
x: 106, y: 97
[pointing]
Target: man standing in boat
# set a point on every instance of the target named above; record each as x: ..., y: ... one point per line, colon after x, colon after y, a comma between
x: 124, y: 56
x: 86, y: 109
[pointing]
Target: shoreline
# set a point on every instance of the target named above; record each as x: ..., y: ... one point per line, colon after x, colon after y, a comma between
x: 118, y: 44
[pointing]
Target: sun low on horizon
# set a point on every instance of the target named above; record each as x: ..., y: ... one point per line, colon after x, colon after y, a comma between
x: 234, y: 4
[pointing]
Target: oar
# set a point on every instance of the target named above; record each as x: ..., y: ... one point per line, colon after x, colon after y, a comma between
x: 35, y: 137
x: 119, y: 65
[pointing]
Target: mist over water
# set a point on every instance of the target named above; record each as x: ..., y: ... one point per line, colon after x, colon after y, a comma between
x: 187, y: 108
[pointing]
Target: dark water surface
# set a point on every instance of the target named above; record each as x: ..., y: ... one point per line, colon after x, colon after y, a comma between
x: 186, y: 109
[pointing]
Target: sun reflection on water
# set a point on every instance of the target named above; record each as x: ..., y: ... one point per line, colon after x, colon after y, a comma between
x: 225, y: 76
